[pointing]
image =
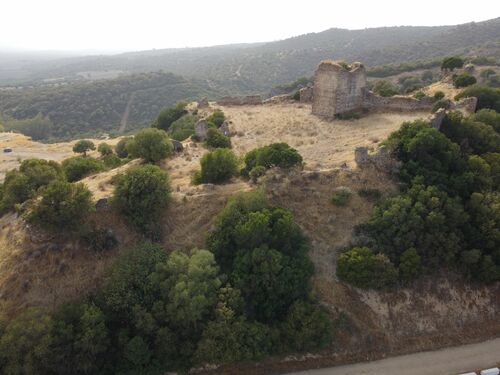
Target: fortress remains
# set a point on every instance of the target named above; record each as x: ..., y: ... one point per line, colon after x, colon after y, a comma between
x: 341, y: 88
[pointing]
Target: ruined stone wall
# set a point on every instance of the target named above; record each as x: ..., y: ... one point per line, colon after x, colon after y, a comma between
x: 338, y: 89
x: 240, y: 100
x: 396, y: 103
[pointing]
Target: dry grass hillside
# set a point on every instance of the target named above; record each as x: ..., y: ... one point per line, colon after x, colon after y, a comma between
x: 36, y: 269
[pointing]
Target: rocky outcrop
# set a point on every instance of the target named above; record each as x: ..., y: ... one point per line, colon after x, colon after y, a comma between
x: 200, y: 130
x: 380, y: 159
x: 178, y: 147
x: 306, y: 94
x: 396, y: 103
x: 436, y: 119
x: 203, y: 103
x: 224, y: 129
x: 466, y: 105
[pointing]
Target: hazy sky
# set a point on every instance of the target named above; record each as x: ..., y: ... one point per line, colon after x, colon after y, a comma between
x: 145, y: 24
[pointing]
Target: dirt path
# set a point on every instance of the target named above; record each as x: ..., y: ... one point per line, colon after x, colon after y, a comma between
x: 123, y: 122
x: 446, y: 361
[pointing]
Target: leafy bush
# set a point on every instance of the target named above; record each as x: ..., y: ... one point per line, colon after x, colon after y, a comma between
x: 183, y: 128
x: 218, y: 166
x: 487, y: 97
x: 306, y: 327
x: 438, y: 95
x: 150, y: 144
x: 489, y: 117
x: 274, y: 155
x: 474, y: 137
x: 167, y: 116
x: 105, y: 149
x: 257, y: 172
x: 296, y: 96
x: 82, y: 146
x: 341, y: 196
x: 100, y: 239
x: 63, y: 207
x: 410, y: 265
x: 111, y: 161
x: 452, y: 62
x: 385, y: 88
x: 428, y: 220
x: 442, y: 103
x: 38, y: 128
x: 370, y: 194
x: 216, y: 139
x: 23, y: 184
x: 141, y: 195
x: 362, y: 268
x: 463, y: 80
x: 217, y: 118
x: 419, y: 95
x: 121, y: 147
x: 79, y: 167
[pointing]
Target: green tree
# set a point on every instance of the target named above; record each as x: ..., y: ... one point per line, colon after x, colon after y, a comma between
x: 362, y: 268
x: 167, y: 116
x: 451, y: 63
x: 77, y: 167
x: 25, y: 344
x: 150, y: 144
x: 274, y: 155
x: 63, y: 207
x: 121, y: 147
x: 82, y: 146
x: 385, y: 88
x: 141, y: 195
x: 218, y: 166
x: 410, y: 265
x: 489, y: 117
x: 217, y: 118
x: 104, y: 149
x: 463, y: 80
x: 487, y: 97
x: 216, y: 139
x: 306, y: 327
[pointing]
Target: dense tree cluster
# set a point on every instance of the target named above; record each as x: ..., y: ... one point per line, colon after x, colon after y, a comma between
x: 448, y: 215
x: 274, y: 155
x: 159, y: 312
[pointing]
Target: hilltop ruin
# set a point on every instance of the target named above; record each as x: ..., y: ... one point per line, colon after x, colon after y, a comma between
x: 341, y: 88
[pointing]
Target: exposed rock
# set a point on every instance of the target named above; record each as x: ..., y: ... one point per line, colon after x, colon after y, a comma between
x: 178, y: 147
x: 465, y: 105
x: 306, y: 94
x: 469, y: 68
x: 436, y: 119
x: 381, y: 159
x: 200, y: 130
x: 224, y: 128
x: 203, y: 102
x: 102, y: 204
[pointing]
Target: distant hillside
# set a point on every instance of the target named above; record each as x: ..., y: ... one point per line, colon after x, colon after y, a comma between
x: 83, y: 109
x: 251, y: 68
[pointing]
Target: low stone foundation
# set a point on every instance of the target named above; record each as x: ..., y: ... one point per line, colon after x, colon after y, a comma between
x: 240, y: 100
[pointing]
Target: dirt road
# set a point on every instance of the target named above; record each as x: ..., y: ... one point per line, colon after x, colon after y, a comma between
x: 446, y: 361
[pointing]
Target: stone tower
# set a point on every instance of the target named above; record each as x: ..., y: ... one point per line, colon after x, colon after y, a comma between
x: 338, y: 88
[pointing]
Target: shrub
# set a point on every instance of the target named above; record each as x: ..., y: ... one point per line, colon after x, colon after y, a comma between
x: 463, y: 80
x: 296, y: 96
x: 183, y: 128
x: 217, y: 118
x: 487, y: 73
x: 63, y: 207
x: 121, y: 147
x: 428, y: 220
x: 362, y: 268
x: 111, y: 161
x: 489, y: 117
x: 150, y: 144
x: 167, y: 116
x: 104, y: 149
x: 438, y: 95
x: 24, y: 184
x: 141, y: 195
x: 257, y: 172
x: 306, y: 327
x: 410, y: 265
x: 78, y: 167
x: 370, y: 194
x: 443, y: 103
x: 82, y: 146
x: 216, y: 139
x: 274, y: 155
x: 385, y: 88
x: 218, y: 166
x: 341, y: 196
x: 100, y: 239
x: 419, y: 95
x: 487, y: 97
x: 452, y: 62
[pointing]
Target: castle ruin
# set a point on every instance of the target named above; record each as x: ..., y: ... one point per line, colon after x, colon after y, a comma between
x: 341, y: 88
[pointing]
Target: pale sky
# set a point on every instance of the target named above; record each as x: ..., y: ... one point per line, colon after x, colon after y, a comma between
x: 120, y: 25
